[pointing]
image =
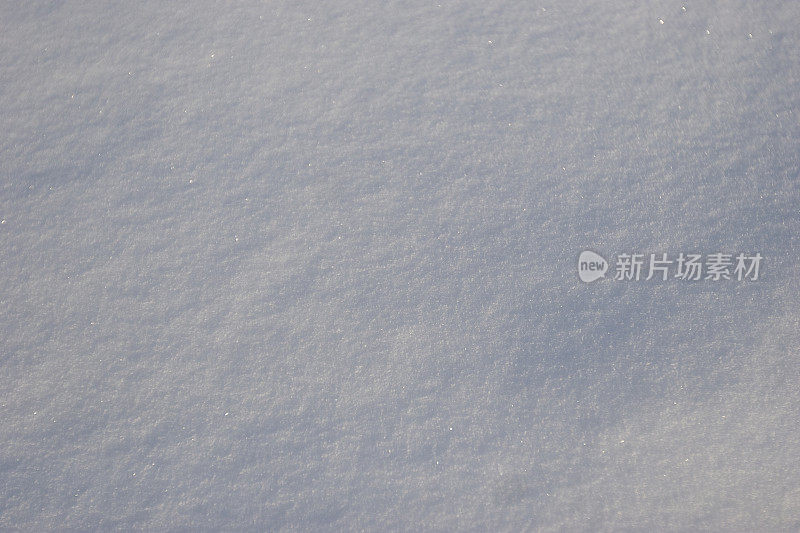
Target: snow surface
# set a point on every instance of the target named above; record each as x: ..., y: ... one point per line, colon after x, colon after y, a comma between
x: 303, y: 264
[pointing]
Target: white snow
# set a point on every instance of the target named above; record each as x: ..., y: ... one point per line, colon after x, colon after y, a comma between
x: 311, y: 265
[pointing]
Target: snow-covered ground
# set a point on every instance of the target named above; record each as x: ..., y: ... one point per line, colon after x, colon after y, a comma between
x: 308, y: 264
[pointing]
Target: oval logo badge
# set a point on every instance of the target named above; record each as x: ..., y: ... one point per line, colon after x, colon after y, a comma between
x: 591, y: 266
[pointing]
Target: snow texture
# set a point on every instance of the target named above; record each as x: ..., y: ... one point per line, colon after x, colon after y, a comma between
x: 312, y: 265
